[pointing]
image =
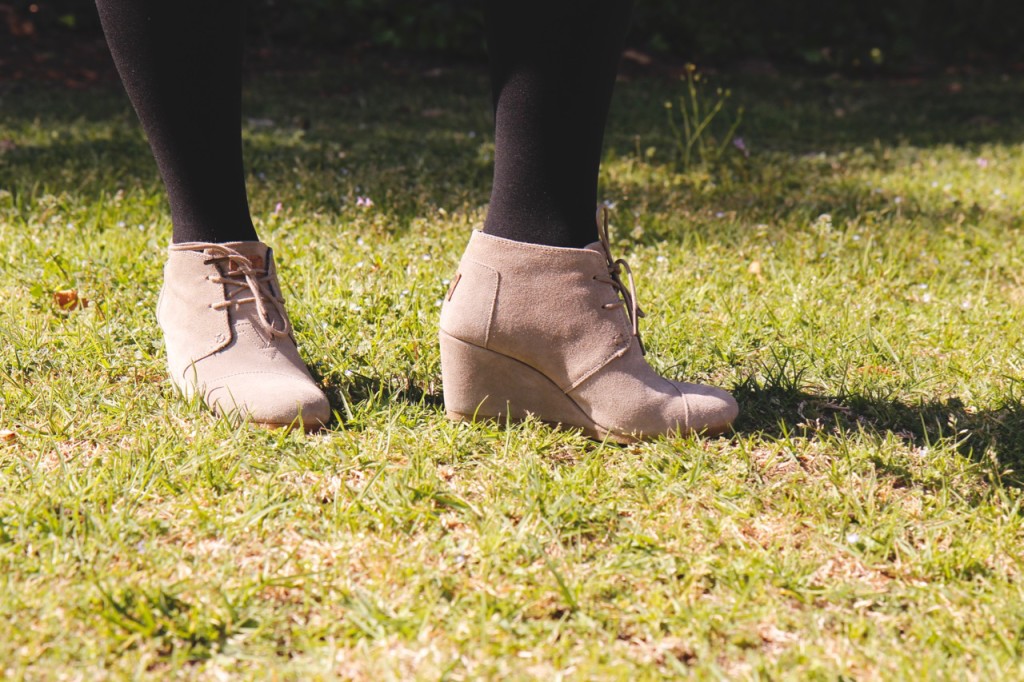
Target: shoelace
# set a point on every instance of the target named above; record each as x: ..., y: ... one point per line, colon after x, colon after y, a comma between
x: 240, y: 275
x: 615, y: 268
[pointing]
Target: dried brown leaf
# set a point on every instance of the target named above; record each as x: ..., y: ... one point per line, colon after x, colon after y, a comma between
x: 69, y: 299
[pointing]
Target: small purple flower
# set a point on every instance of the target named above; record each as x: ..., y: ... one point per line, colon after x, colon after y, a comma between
x: 982, y: 162
x: 741, y: 144
x: 364, y: 202
x: 278, y: 207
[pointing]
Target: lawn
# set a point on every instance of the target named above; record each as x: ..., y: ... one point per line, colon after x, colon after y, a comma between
x: 858, y: 282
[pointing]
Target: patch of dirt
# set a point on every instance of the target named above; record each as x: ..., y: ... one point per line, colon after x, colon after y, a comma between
x: 845, y: 568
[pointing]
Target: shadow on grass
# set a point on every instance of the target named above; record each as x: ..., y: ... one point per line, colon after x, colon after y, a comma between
x: 417, y: 141
x: 778, y: 410
x: 993, y: 437
x: 347, y: 392
x: 805, y: 113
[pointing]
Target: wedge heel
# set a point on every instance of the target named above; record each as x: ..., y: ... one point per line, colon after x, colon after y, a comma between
x: 480, y: 384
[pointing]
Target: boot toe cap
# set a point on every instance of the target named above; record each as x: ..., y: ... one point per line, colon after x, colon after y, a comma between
x: 270, y: 399
x: 709, y: 410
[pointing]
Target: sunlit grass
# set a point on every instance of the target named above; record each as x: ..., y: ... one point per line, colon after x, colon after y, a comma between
x: 857, y: 282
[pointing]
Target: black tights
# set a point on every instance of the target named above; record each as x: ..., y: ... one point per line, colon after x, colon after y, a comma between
x: 553, y: 67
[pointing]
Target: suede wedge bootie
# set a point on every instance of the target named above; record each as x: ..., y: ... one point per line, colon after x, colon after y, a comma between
x: 229, y: 339
x: 553, y: 332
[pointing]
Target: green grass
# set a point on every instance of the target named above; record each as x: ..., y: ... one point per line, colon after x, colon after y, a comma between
x: 858, y: 282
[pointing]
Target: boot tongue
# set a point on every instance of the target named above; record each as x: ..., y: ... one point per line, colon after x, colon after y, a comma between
x: 259, y: 254
x: 256, y: 252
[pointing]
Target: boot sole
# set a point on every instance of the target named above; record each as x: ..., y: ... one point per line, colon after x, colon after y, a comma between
x: 483, y: 385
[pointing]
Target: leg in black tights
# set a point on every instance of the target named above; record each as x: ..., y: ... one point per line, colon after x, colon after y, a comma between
x: 181, y: 63
x: 553, y: 68
x: 553, y: 65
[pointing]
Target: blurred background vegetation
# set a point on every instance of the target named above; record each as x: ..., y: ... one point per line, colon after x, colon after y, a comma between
x: 890, y: 36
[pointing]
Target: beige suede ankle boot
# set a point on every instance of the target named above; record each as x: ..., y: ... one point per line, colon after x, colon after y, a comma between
x: 229, y: 338
x: 552, y: 332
